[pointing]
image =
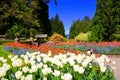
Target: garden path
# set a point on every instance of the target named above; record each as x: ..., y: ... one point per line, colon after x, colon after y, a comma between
x: 117, y: 65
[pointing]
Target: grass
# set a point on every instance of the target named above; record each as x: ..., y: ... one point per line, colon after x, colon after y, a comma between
x: 5, y: 54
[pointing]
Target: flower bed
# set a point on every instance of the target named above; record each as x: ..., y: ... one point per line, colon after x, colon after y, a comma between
x: 101, y: 48
x: 20, y: 48
x: 41, y: 66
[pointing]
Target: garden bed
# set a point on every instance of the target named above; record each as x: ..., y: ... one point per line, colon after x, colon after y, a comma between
x: 54, y: 64
x: 110, y: 48
x: 34, y: 66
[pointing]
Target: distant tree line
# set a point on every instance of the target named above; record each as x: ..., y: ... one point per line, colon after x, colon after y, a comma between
x: 105, y: 25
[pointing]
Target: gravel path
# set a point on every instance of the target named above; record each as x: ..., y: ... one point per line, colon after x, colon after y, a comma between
x: 117, y: 65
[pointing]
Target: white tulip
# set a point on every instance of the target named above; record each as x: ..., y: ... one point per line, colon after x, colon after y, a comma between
x: 6, y: 66
x: 34, y: 68
x: 23, y: 78
x: 29, y: 77
x: 45, y: 66
x: 46, y: 71
x: 2, y: 71
x: 102, y: 68
x: 44, y: 78
x: 40, y: 65
x: 84, y: 63
x: 89, y: 52
x: 25, y: 69
x: 75, y: 67
x: 32, y: 62
x: 38, y: 58
x: 17, y: 62
x: 64, y: 61
x: 93, y: 56
x: 56, y: 73
x: 18, y: 74
x: 66, y: 76
x: 4, y: 60
x: 81, y: 70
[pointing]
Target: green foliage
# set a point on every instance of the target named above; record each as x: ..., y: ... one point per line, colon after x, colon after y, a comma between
x: 107, y: 18
x: 82, y: 36
x: 116, y: 37
x: 16, y: 11
x: 57, y: 26
x: 56, y: 38
x: 79, y: 27
x: 17, y: 31
x: 33, y: 32
x: 96, y: 33
x: 26, y: 13
x: 41, y: 13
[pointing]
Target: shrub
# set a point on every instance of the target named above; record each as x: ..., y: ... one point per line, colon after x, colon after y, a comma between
x: 116, y: 37
x: 56, y: 38
x: 17, y: 31
x: 82, y: 36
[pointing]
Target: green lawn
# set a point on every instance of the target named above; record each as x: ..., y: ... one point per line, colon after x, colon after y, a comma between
x: 5, y: 54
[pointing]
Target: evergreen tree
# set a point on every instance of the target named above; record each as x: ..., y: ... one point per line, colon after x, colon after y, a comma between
x: 57, y: 25
x: 27, y: 13
x: 41, y: 13
x: 16, y: 12
x: 107, y: 16
x: 74, y: 30
x: 78, y: 26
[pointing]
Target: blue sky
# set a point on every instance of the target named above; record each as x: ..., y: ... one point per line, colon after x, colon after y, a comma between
x: 70, y: 10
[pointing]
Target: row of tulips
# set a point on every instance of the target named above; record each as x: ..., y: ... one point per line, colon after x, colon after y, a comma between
x: 41, y: 66
x: 103, y: 47
x: 21, y: 48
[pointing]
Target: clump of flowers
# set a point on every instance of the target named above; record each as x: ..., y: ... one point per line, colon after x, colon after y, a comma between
x: 4, y: 68
x: 41, y: 66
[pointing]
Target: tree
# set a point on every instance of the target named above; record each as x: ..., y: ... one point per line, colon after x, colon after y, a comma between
x: 41, y: 13
x: 74, y: 30
x: 107, y: 17
x: 16, y: 12
x: 27, y: 13
x: 57, y: 25
x: 78, y: 26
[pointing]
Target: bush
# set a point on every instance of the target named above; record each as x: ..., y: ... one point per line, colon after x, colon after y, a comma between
x: 116, y: 37
x: 56, y: 38
x: 17, y: 31
x: 82, y: 36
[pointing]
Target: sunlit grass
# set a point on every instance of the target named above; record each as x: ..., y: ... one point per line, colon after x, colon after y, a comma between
x: 5, y: 54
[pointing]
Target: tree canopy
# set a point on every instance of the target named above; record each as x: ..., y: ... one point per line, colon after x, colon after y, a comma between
x: 57, y: 25
x: 106, y: 20
x: 29, y: 14
x: 80, y: 26
x: 16, y: 11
